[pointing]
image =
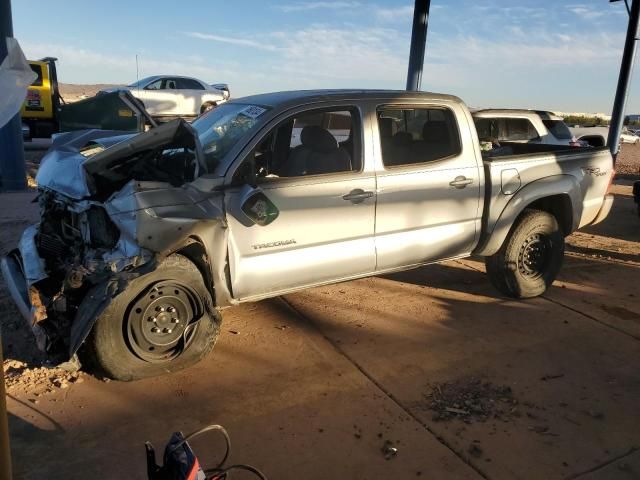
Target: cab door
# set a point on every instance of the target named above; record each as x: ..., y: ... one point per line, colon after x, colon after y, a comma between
x: 310, y: 218
x: 161, y: 97
x: 429, y: 185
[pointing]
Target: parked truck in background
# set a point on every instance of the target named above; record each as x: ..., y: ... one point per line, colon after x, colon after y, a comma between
x: 144, y: 239
x: 522, y: 126
x: 40, y: 109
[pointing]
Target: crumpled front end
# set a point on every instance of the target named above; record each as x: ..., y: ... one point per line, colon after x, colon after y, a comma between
x: 75, y: 246
x: 115, y: 222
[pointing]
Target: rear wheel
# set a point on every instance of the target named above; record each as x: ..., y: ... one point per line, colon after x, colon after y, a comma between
x: 530, y: 258
x: 164, y: 321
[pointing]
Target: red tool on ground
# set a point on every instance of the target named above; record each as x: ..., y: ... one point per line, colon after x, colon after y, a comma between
x: 181, y: 463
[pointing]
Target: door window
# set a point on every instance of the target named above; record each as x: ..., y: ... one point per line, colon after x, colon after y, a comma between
x: 157, y: 85
x: 311, y: 143
x: 37, y: 69
x: 189, y: 84
x: 417, y: 135
x: 170, y: 84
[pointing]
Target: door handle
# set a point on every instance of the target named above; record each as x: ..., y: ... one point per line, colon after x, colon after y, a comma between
x: 357, y: 196
x: 461, y: 182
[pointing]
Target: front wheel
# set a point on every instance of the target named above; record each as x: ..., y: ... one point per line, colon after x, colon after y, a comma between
x: 162, y: 322
x: 530, y: 258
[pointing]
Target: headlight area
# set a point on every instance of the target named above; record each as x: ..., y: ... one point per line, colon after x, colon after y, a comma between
x: 77, y: 246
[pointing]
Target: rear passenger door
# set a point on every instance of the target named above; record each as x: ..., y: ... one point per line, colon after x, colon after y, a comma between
x: 428, y: 185
x: 190, y: 92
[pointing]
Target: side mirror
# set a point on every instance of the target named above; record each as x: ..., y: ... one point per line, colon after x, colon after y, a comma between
x: 257, y: 207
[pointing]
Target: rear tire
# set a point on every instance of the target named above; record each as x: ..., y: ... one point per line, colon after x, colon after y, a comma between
x: 530, y: 258
x: 162, y: 322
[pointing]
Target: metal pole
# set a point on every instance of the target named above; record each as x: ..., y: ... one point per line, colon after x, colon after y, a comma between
x: 418, y: 43
x: 5, y: 452
x: 628, y: 57
x: 12, y: 168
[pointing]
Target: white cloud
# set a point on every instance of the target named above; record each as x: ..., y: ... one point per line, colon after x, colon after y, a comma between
x: 404, y: 13
x: 303, y: 6
x: 245, y: 42
x: 78, y: 65
x: 586, y: 12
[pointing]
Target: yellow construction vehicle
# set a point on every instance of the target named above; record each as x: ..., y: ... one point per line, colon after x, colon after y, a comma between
x: 40, y: 109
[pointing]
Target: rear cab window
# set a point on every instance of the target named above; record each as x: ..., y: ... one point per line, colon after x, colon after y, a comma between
x: 558, y: 129
x: 506, y: 129
x: 417, y: 135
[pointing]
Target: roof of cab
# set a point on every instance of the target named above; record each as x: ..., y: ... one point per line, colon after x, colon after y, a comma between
x: 297, y: 97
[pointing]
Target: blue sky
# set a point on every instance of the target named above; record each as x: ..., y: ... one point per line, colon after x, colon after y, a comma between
x: 547, y: 54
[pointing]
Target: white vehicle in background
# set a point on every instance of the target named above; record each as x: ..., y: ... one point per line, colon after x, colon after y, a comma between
x: 522, y: 126
x: 595, y: 136
x: 627, y: 136
x: 175, y: 96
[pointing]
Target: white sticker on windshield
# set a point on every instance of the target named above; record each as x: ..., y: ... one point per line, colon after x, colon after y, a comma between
x: 253, y: 111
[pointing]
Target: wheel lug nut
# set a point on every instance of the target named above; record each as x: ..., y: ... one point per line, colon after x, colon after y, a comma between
x: 171, y: 309
x: 175, y: 320
x: 166, y: 330
x: 155, y: 330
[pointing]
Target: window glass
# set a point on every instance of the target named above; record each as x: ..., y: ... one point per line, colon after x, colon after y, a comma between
x: 505, y: 129
x: 221, y: 128
x: 311, y: 143
x: 37, y: 69
x: 170, y: 84
x: 558, y: 129
x: 417, y: 135
x: 189, y: 84
x: 157, y: 85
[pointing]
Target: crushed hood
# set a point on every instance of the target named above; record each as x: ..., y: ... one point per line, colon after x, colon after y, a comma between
x: 78, y: 162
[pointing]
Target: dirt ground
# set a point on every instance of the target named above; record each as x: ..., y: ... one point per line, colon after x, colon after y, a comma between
x: 322, y: 384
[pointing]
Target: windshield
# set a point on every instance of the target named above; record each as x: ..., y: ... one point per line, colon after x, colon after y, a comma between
x: 141, y: 83
x: 221, y: 128
x: 558, y: 129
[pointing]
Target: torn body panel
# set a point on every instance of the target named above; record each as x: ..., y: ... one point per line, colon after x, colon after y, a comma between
x: 115, y: 217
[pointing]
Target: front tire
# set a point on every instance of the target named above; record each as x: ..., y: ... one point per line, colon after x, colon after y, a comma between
x: 530, y: 258
x: 162, y: 322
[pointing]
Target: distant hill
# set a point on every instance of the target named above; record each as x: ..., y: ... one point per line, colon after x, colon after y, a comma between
x: 73, y: 92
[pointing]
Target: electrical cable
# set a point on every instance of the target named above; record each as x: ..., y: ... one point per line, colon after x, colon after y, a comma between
x: 219, y: 472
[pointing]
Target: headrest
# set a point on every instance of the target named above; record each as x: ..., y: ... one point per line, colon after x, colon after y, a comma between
x: 402, y: 138
x: 318, y: 139
x: 436, y: 132
x: 385, y: 124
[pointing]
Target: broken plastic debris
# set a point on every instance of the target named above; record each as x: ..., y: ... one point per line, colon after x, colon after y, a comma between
x: 389, y: 450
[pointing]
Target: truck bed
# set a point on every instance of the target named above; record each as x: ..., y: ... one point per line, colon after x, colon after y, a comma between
x: 525, y: 174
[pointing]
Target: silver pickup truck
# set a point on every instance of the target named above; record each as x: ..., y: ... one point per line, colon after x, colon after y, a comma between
x: 144, y: 239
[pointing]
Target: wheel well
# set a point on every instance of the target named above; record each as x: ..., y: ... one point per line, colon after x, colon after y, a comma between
x: 197, y: 253
x: 205, y: 104
x: 560, y: 207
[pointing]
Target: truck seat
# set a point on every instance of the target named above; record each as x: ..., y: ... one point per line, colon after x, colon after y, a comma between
x: 318, y: 153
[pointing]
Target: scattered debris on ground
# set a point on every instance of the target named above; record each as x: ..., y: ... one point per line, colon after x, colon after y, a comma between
x: 471, y: 399
x: 388, y: 450
x: 38, y: 380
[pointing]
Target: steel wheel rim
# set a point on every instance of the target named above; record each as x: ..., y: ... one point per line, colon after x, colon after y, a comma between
x: 161, y: 323
x: 534, y: 256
